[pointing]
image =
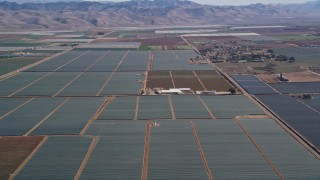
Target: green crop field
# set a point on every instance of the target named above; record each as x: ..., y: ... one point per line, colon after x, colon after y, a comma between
x: 10, y: 64
x: 296, y: 38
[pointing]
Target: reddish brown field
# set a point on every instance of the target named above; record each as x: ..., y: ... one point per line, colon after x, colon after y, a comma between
x: 187, y: 79
x: 13, y: 151
x: 165, y: 83
x: 192, y: 83
x: 217, y: 84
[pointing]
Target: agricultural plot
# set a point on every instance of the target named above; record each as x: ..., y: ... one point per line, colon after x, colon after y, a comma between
x: 83, y: 62
x: 154, y: 107
x: 124, y: 83
x: 23, y: 119
x: 173, y: 152
x: 10, y: 64
x: 189, y: 107
x: 70, y: 118
x: 196, y: 80
x: 119, y: 151
x: 296, y: 88
x: 120, y: 108
x: 253, y: 85
x: 314, y: 102
x: 282, y: 150
x: 164, y: 42
x: 135, y: 61
x: 14, y: 83
x: 48, y: 85
x: 298, y: 116
x: 159, y: 79
x: 211, y: 80
x: 59, y: 158
x: 300, y: 53
x: 109, y: 62
x: 57, y: 62
x: 230, y: 153
x: 176, y: 60
x: 87, y: 84
x: 8, y: 105
x: 231, y: 106
x: 13, y: 151
x: 113, y: 45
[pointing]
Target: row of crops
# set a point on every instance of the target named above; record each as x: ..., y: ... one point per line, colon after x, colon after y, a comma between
x: 303, y: 118
x: 183, y: 107
x: 95, y: 61
x: 44, y: 116
x: 174, y: 153
x: 253, y: 85
x: 72, y: 84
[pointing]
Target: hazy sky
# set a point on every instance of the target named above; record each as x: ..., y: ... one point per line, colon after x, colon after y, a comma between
x: 239, y: 2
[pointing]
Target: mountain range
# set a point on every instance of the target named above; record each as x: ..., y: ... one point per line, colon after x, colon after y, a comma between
x: 83, y: 14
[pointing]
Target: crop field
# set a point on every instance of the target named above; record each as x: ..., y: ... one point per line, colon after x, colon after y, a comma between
x: 95, y: 61
x: 281, y: 149
x: 300, y: 53
x: 303, y: 119
x: 119, y: 151
x: 13, y: 151
x: 113, y: 45
x: 253, y: 85
x: 121, y: 108
x: 314, y: 102
x: 224, y: 160
x: 296, y: 38
x: 168, y: 159
x: 183, y: 110
x: 59, y: 157
x: 176, y: 60
x: 47, y: 115
x: 196, y: 80
x: 67, y: 119
x: 154, y: 107
x: 158, y: 79
x: 10, y: 64
x: 124, y: 83
x: 178, y: 107
x: 156, y: 154
x: 94, y: 112
x: 296, y: 88
x: 231, y: 106
x: 72, y: 84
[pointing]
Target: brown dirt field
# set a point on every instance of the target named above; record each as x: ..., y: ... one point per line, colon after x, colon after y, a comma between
x: 13, y: 151
x: 269, y: 78
x: 293, y: 77
x: 218, y: 84
x: 165, y: 83
x: 182, y: 73
x: 192, y: 83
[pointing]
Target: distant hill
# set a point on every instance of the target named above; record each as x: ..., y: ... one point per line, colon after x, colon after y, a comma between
x: 67, y: 15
